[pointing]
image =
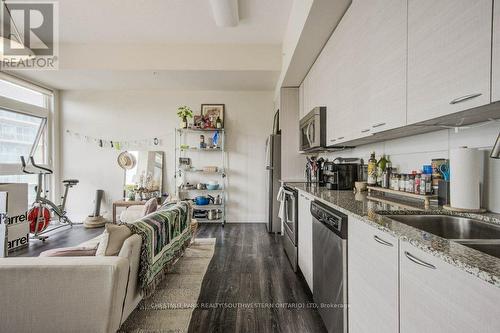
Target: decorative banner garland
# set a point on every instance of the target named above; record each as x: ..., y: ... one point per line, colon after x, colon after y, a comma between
x: 118, y: 144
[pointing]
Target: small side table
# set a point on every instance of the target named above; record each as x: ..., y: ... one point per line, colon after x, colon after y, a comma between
x: 126, y: 204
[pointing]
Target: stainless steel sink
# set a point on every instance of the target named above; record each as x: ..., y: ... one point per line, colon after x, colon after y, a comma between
x: 493, y: 249
x: 450, y: 227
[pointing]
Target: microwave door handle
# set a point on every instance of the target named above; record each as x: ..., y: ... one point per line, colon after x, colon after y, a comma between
x: 308, y: 134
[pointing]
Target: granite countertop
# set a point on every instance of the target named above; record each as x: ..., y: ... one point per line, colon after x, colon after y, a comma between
x: 376, y: 211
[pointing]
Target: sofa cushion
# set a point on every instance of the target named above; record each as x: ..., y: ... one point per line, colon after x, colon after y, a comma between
x: 112, y: 239
x: 151, y: 206
x: 69, y: 252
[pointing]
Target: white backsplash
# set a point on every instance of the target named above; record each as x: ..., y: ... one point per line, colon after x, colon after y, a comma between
x: 410, y: 153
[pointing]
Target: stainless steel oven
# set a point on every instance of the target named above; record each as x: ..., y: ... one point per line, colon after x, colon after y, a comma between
x: 290, y: 224
x: 313, y: 129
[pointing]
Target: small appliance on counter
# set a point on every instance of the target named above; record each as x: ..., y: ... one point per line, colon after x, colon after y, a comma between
x: 338, y: 175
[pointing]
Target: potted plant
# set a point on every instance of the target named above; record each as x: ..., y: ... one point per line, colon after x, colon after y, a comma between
x: 184, y: 112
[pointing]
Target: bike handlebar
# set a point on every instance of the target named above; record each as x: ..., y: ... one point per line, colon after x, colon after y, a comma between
x: 32, y: 161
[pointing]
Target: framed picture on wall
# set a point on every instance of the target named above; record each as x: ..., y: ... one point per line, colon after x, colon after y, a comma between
x: 212, y: 112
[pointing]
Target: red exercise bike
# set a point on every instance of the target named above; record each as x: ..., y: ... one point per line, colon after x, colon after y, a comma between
x: 43, y: 210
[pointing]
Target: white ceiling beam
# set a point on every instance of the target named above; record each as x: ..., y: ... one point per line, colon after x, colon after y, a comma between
x: 225, y: 12
x: 170, y: 57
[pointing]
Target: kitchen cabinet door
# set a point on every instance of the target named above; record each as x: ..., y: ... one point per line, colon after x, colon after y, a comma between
x: 438, y: 297
x: 305, y: 246
x: 381, y: 87
x: 496, y: 53
x: 449, y: 57
x: 342, y: 53
x: 372, y: 261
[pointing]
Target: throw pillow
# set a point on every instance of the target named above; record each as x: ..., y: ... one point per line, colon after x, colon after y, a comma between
x: 151, y: 206
x: 112, y: 239
x: 70, y: 252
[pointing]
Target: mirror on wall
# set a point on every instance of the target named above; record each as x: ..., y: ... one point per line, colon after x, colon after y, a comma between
x: 143, y: 174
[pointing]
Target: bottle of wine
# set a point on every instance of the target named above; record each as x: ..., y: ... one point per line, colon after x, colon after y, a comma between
x: 218, y: 123
x: 372, y: 170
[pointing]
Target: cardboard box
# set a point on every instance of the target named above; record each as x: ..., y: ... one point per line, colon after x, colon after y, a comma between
x: 4, y: 241
x: 17, y: 215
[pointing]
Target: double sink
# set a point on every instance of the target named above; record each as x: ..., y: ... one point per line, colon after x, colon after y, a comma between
x: 481, y: 236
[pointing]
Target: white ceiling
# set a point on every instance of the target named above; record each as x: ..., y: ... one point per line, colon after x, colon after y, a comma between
x: 169, y: 21
x: 157, y: 80
x: 97, y: 39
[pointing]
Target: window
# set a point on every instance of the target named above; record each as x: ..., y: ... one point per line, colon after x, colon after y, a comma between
x: 22, y: 94
x: 17, y: 136
x: 25, y: 129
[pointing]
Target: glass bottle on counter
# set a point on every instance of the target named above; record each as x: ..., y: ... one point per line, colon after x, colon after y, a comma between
x: 372, y: 170
x: 381, y: 166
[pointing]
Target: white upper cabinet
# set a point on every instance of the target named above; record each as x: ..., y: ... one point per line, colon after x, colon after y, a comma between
x: 340, y: 55
x: 360, y: 76
x: 437, y: 297
x: 373, y: 279
x: 496, y: 54
x: 380, y: 98
x: 449, y: 56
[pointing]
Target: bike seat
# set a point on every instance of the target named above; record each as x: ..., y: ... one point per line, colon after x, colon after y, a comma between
x: 70, y: 181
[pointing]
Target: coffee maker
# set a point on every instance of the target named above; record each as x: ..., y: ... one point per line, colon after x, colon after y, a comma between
x: 341, y: 176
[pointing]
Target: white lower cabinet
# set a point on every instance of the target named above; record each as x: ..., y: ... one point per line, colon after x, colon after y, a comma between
x: 437, y: 297
x: 305, y: 246
x: 372, y: 279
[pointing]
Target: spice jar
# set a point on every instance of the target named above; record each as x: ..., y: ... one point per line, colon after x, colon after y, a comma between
x: 410, y: 183
x: 416, y: 188
x: 402, y: 182
x: 395, y: 182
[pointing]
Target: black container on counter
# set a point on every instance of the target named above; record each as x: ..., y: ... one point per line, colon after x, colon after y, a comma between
x: 443, y: 192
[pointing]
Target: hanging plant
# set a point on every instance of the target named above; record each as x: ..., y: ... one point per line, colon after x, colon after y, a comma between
x: 184, y: 112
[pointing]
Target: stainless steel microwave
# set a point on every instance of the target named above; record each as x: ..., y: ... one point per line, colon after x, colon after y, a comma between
x: 313, y: 129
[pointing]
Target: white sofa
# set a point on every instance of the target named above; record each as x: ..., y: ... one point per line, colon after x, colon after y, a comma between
x: 70, y: 294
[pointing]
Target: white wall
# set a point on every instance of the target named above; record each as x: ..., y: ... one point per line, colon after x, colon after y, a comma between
x: 132, y: 115
x: 410, y: 153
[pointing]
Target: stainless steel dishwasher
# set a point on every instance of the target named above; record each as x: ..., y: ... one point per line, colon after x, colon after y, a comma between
x: 330, y: 266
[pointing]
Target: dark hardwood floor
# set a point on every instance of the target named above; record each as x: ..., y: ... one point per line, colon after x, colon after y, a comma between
x: 249, y: 284
x: 62, y: 237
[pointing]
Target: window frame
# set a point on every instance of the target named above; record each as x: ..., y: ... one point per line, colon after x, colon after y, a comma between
x: 46, y: 112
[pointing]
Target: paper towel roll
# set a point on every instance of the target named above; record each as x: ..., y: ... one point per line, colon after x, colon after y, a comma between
x: 465, y: 178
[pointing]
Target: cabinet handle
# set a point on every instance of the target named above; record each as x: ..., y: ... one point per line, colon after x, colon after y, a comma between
x: 365, y: 130
x: 381, y: 241
x: 418, y: 261
x: 378, y: 125
x: 464, y: 98
x: 333, y: 140
x: 340, y: 138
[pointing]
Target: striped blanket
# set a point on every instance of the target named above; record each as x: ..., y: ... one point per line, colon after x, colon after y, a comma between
x: 165, y: 235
